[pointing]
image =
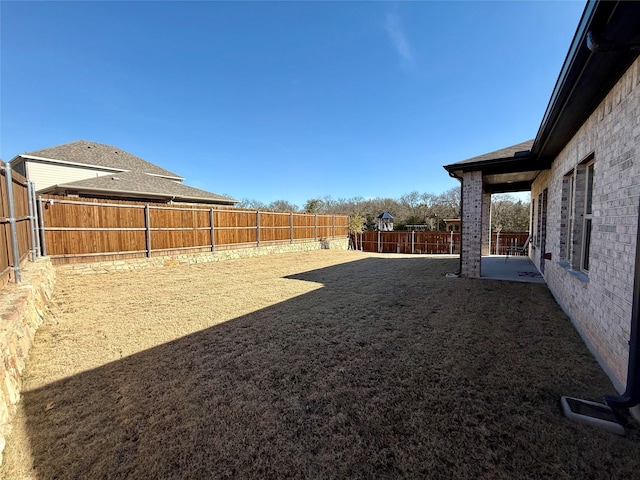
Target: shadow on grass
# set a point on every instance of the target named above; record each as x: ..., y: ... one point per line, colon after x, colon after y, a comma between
x: 390, y: 370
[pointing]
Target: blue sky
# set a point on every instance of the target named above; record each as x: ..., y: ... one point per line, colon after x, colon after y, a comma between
x: 283, y: 100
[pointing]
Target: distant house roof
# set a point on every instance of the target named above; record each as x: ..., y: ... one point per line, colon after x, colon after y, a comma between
x: 132, y: 176
x: 386, y: 215
x: 140, y: 184
x: 98, y: 154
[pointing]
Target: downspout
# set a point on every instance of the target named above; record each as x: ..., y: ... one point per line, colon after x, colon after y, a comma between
x: 631, y: 396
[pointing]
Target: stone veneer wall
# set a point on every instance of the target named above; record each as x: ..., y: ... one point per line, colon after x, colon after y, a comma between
x: 21, y: 313
x: 599, y: 302
x: 471, y: 248
x: 206, y: 257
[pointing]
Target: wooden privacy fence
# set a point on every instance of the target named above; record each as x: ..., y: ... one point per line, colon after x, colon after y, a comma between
x: 86, y: 230
x: 17, y: 221
x: 428, y: 242
x: 408, y: 242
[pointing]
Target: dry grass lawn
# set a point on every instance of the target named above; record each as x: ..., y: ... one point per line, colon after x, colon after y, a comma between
x: 323, y: 364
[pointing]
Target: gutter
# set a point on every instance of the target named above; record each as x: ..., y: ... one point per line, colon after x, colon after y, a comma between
x: 559, y: 97
x: 130, y: 193
x: 89, y: 166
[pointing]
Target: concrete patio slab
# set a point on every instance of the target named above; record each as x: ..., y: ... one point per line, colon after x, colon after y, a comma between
x: 514, y: 269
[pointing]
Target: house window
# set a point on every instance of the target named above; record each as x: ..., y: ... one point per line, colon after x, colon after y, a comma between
x: 539, y: 221
x: 577, y: 213
x: 567, y: 215
x: 587, y: 216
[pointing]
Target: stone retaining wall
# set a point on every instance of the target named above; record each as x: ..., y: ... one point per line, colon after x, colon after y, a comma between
x: 22, y: 311
x: 191, y: 258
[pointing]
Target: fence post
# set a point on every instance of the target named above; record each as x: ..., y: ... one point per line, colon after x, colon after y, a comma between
x: 315, y: 227
x: 379, y: 251
x: 147, y: 224
x: 333, y: 226
x: 413, y: 240
x: 498, y: 243
x: 257, y: 228
x: 451, y: 244
x: 213, y: 233
x: 12, y: 225
x: 33, y: 220
x: 291, y: 226
x: 43, y: 240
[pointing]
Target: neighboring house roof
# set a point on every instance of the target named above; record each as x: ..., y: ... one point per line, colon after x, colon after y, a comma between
x: 132, y: 176
x: 386, y: 216
x: 101, y: 155
x: 133, y: 184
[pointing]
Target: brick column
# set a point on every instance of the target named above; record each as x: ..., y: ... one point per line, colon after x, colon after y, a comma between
x: 471, y: 244
x: 486, y: 224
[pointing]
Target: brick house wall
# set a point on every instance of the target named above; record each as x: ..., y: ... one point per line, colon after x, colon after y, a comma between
x: 598, y: 300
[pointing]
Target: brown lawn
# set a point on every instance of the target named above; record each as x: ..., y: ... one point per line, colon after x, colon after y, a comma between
x: 315, y: 365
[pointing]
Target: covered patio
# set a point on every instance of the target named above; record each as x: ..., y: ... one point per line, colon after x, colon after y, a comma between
x: 508, y: 170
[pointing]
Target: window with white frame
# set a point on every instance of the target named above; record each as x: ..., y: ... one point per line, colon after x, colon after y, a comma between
x: 587, y: 216
x: 576, y: 215
x: 567, y: 213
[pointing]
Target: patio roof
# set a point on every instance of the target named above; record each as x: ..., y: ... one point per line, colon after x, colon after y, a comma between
x: 510, y: 169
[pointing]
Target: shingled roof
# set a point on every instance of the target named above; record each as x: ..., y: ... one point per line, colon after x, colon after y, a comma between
x: 504, y: 153
x: 506, y: 170
x: 133, y: 184
x: 101, y: 155
x: 132, y: 176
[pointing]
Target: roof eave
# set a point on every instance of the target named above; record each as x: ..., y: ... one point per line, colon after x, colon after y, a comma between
x: 497, y: 165
x: 586, y: 76
x: 128, y: 193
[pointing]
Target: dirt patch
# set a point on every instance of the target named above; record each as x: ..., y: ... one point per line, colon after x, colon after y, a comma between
x: 321, y: 364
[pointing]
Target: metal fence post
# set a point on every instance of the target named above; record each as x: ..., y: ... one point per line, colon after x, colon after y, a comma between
x: 257, y: 228
x: 213, y: 233
x: 413, y: 240
x: 33, y: 220
x: 147, y: 224
x: 451, y: 244
x: 43, y: 240
x: 12, y: 225
x: 291, y: 226
x: 315, y: 226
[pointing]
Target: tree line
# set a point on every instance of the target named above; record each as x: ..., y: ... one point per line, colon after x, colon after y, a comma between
x: 508, y: 214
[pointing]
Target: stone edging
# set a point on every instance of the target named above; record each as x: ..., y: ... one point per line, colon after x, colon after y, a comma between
x: 192, y: 258
x: 22, y: 311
